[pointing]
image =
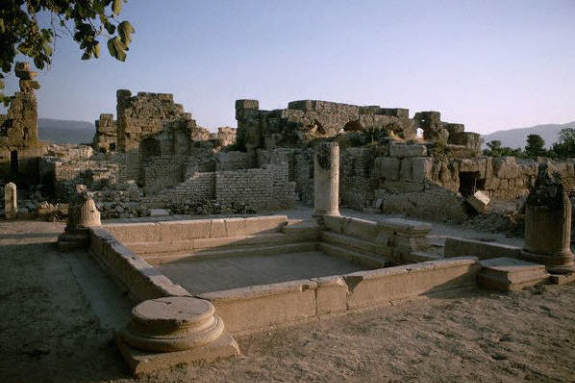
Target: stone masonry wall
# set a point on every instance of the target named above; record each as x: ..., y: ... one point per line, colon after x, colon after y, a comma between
x: 105, y: 138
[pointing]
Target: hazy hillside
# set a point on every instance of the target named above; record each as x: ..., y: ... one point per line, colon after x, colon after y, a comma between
x: 65, y: 131
x: 515, y: 138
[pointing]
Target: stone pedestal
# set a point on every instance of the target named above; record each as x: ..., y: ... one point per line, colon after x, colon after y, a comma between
x: 326, y: 179
x: 10, y: 201
x: 168, y: 331
x: 82, y: 214
x: 548, y: 224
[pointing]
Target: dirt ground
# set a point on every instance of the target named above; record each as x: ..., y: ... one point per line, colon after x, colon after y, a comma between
x: 58, y: 311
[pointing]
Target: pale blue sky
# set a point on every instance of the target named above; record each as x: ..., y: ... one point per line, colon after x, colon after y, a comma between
x: 491, y: 65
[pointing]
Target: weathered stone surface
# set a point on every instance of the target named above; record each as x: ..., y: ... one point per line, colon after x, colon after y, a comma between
x: 326, y: 179
x: 387, y: 168
x: 479, y: 201
x: 510, y: 274
x: 548, y: 223
x: 407, y: 150
x: 10, y: 201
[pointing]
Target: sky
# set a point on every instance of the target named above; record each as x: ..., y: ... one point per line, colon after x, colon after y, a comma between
x: 492, y: 65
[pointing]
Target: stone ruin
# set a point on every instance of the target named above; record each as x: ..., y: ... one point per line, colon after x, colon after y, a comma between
x: 20, y: 148
x: 153, y: 154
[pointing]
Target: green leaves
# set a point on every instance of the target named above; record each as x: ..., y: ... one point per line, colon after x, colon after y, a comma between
x: 117, y: 48
x: 125, y: 30
x: 24, y: 32
x: 117, y: 7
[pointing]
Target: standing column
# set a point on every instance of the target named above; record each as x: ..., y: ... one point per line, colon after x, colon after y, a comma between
x: 10, y: 201
x: 326, y: 179
x: 548, y: 223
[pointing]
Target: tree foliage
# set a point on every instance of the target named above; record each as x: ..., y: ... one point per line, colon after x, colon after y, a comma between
x: 29, y: 27
x: 535, y: 146
x: 494, y: 149
x: 565, y: 148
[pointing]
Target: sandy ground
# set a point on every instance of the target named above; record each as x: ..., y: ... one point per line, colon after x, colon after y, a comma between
x: 58, y: 311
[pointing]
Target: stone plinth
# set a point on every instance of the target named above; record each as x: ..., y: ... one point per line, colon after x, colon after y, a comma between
x: 326, y: 179
x: 548, y: 223
x: 509, y: 274
x: 10, y: 201
x: 168, y: 331
x: 82, y: 214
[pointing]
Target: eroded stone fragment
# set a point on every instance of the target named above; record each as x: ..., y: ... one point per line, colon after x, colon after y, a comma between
x: 548, y: 223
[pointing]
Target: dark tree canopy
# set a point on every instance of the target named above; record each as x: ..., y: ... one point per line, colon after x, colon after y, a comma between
x: 535, y: 146
x: 29, y: 27
x: 496, y: 150
x: 565, y: 148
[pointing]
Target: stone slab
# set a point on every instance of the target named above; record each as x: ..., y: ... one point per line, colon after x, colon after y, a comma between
x: 510, y: 274
x: 144, y: 362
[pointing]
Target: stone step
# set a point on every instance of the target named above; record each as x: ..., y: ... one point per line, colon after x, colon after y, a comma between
x: 370, y: 261
x: 510, y: 274
x: 353, y: 244
x: 191, y: 256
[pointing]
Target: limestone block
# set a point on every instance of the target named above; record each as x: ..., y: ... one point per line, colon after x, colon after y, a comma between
x: 134, y: 232
x: 10, y: 201
x: 383, y: 286
x: 506, y: 167
x: 510, y: 274
x: 171, y: 325
x: 89, y: 214
x: 183, y: 230
x: 407, y: 150
x: 331, y: 295
x: 416, y: 169
x: 461, y: 247
x: 218, y: 228
x: 479, y: 201
x: 275, y: 304
x: 361, y: 228
x: 334, y: 223
x: 265, y: 224
x: 387, y: 167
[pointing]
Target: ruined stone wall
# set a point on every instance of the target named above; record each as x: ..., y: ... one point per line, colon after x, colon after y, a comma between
x: 162, y: 172
x: 105, y: 138
x: 356, y: 189
x: 259, y: 189
x: 232, y: 160
x: 226, y: 136
x: 145, y: 115
x: 20, y: 148
x: 304, y: 121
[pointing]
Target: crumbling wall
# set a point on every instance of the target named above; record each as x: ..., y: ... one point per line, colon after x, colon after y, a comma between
x: 20, y: 148
x: 307, y: 120
x: 232, y: 160
x: 265, y: 188
x: 146, y: 114
x: 105, y: 139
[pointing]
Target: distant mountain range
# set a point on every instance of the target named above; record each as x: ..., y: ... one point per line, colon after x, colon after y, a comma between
x: 516, y: 138
x: 65, y: 131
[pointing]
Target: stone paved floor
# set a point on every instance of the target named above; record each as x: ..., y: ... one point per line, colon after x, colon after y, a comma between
x: 221, y: 273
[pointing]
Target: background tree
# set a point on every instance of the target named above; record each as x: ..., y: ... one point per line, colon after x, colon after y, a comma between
x: 494, y: 149
x: 535, y: 146
x: 29, y: 27
x: 565, y: 148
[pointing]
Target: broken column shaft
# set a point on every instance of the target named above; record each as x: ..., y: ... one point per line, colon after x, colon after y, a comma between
x: 326, y: 179
x: 548, y: 223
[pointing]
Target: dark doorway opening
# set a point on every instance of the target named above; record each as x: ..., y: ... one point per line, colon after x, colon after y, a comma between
x: 469, y: 183
x: 14, y: 166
